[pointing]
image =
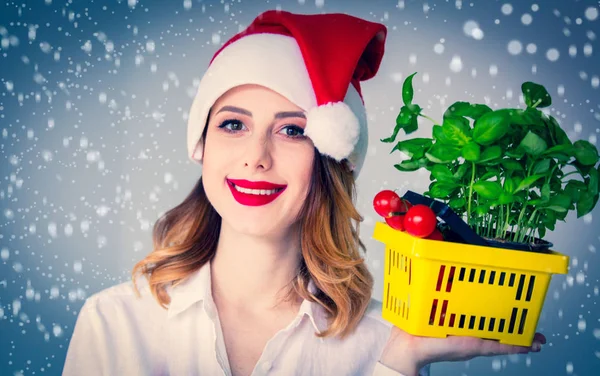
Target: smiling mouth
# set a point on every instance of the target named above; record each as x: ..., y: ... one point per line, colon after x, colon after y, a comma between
x: 256, y: 192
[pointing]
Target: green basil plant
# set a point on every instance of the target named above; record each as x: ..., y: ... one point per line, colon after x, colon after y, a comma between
x: 507, y: 172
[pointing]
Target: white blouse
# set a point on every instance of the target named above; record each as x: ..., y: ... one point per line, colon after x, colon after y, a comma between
x: 117, y: 333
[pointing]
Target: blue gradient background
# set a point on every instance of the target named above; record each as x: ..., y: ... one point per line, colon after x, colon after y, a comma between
x: 93, y: 144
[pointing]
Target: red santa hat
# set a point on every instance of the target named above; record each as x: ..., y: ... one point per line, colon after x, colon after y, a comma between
x: 315, y: 61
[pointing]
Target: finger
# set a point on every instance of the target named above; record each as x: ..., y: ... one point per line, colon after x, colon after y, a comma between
x: 540, y: 338
x: 490, y: 347
x: 493, y: 348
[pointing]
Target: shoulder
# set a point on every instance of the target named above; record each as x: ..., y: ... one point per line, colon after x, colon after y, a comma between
x: 122, y: 300
x: 117, y: 332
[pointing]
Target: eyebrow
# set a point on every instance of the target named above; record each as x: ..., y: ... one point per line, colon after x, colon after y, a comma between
x: 278, y: 115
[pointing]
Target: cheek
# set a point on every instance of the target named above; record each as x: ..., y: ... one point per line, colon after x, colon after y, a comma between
x: 213, y: 169
x: 304, y: 167
x: 215, y: 153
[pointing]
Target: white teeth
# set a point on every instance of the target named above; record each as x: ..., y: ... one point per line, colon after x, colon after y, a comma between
x: 257, y: 191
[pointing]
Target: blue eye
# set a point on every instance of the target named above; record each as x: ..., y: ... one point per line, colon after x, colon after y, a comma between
x: 297, y: 132
x: 230, y: 122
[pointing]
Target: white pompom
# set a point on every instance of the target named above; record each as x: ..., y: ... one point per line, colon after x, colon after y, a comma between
x: 333, y: 128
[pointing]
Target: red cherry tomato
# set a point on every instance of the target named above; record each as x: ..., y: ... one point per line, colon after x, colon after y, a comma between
x: 405, y: 205
x: 420, y: 221
x: 396, y: 222
x: 436, y: 235
x: 386, y: 202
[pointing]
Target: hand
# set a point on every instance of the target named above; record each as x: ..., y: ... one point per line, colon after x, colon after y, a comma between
x: 407, y: 353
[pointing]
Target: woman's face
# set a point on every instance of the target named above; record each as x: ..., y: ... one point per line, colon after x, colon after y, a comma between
x: 254, y: 138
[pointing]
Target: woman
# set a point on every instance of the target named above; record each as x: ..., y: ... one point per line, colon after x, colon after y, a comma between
x: 258, y: 270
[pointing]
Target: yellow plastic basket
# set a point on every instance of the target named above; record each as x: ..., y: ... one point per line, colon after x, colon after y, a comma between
x: 436, y: 288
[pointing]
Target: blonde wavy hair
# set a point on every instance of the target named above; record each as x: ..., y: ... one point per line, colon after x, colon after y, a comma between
x: 185, y: 238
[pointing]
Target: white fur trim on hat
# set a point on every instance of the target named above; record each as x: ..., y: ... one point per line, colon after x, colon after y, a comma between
x: 333, y: 128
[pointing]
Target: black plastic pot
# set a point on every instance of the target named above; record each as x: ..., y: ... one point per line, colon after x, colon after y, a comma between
x: 539, y: 245
x: 458, y: 231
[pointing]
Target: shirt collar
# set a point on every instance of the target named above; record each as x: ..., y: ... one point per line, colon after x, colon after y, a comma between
x: 197, y: 287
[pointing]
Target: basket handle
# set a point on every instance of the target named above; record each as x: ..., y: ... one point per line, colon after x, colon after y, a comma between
x: 456, y: 223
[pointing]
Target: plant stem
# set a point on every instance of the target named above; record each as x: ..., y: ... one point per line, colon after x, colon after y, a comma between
x: 528, y: 226
x: 471, y: 191
x: 499, y: 223
x: 519, y: 225
x: 505, y: 227
x: 428, y: 118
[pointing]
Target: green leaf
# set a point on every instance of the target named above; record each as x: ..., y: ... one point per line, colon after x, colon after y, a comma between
x: 481, y: 210
x: 488, y: 189
x: 473, y: 111
x: 490, y: 127
x: 541, y: 231
x: 489, y: 175
x: 585, y: 153
x: 399, y: 124
x: 490, y: 153
x: 561, y: 216
x: 561, y: 150
x: 533, y: 144
x: 583, y: 170
x: 525, y: 183
x: 407, y: 89
x: 509, y: 185
x: 515, y: 153
x: 586, y: 203
x: 441, y: 172
x: 461, y: 170
x: 559, y: 203
x: 411, y: 165
x: 457, y: 203
x: 549, y: 219
x: 574, y: 188
x: 471, y: 152
x: 512, y: 165
x: 456, y: 129
x: 541, y: 167
x: 440, y: 153
x: 535, y: 95
x: 439, y: 136
x: 414, y: 148
x: 406, y: 120
x: 545, y: 192
x: 556, y: 132
x: 527, y: 117
x: 442, y: 189
x: 505, y: 198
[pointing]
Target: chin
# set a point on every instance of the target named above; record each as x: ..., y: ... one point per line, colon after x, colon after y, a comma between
x: 254, y: 228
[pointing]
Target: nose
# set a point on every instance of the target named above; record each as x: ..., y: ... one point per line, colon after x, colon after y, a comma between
x: 257, y: 154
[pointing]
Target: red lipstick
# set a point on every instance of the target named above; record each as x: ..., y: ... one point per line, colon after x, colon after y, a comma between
x: 252, y: 199
x: 255, y: 184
